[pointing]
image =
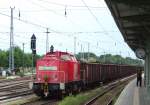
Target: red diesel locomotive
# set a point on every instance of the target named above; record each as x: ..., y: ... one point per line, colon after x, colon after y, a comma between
x: 60, y: 72
x: 57, y: 72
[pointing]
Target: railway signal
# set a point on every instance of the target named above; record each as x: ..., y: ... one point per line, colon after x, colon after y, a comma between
x: 33, y: 48
x: 33, y: 44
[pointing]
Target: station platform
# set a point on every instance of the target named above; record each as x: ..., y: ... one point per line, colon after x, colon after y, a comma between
x: 133, y: 95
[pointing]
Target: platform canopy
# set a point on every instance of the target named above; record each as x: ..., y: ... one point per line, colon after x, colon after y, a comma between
x: 133, y: 19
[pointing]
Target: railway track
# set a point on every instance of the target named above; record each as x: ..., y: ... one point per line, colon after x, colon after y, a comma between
x: 106, y: 90
x: 108, y: 95
x: 16, y: 79
x: 15, y: 89
x: 43, y: 102
x: 9, y: 84
x: 15, y: 94
x: 22, y: 90
x: 11, y: 89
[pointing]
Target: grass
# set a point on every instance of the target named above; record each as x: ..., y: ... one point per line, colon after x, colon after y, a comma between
x: 80, y: 98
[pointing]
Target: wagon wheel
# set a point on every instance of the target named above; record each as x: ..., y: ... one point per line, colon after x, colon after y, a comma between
x: 60, y: 95
x: 75, y: 90
x: 70, y: 93
x: 67, y: 92
x: 79, y: 89
x: 42, y: 96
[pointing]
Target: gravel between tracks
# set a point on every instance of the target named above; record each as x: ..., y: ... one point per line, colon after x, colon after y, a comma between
x: 14, y: 88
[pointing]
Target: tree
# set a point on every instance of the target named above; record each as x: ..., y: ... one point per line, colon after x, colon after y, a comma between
x: 18, y: 58
x: 3, y: 58
x: 18, y: 54
x: 84, y: 56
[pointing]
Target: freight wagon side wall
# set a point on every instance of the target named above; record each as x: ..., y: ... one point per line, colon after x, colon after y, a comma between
x: 97, y: 73
x: 90, y: 73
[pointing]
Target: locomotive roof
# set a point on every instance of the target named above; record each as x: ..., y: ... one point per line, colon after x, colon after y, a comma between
x: 59, y: 53
x: 56, y: 54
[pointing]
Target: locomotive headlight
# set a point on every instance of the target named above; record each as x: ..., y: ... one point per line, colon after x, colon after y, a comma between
x: 39, y: 79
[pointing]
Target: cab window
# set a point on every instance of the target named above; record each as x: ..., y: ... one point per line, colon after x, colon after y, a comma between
x: 73, y: 58
x: 65, y: 57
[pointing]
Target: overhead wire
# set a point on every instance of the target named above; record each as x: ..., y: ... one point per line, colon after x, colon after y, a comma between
x: 65, y: 13
x: 106, y: 32
x: 44, y: 27
x: 94, y: 46
x: 39, y: 5
x: 22, y: 36
x: 54, y: 30
x: 28, y: 22
x: 45, y: 9
x: 99, y: 22
x: 97, y: 47
x: 94, y: 17
x: 64, y: 5
x: 59, y: 4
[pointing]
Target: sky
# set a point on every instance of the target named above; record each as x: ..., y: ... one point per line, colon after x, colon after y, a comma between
x: 68, y: 21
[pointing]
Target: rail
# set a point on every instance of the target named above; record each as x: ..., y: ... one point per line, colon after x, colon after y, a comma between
x: 108, y: 88
x: 110, y: 102
x: 103, y: 93
x: 14, y: 95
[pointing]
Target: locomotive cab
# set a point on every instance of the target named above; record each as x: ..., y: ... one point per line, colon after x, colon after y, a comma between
x: 57, y: 72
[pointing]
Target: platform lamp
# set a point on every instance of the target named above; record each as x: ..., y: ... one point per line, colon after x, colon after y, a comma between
x: 33, y: 48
